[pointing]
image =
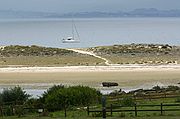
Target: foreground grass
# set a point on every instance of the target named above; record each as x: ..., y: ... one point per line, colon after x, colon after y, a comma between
x: 37, y: 117
x: 82, y: 113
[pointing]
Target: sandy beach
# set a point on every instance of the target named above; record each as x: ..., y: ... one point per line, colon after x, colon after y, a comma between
x: 128, y: 76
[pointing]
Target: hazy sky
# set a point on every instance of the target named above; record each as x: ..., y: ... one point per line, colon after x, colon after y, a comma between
x: 64, y: 6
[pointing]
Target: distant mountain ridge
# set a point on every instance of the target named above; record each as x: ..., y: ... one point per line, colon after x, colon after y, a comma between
x: 143, y: 12
x: 152, y: 12
x: 23, y: 14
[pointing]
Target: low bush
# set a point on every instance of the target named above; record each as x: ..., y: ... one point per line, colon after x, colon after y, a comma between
x: 177, y: 100
x: 122, y: 114
x: 127, y: 101
x: 57, y: 97
x: 97, y: 114
x: 13, y: 95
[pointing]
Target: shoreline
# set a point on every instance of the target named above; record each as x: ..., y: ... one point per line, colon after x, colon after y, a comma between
x: 128, y: 77
x: 111, y: 68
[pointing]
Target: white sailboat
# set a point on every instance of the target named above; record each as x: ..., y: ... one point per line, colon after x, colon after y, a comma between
x: 74, y: 38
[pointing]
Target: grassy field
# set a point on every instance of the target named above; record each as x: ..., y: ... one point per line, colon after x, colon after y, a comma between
x: 64, y: 60
x: 83, y: 115
x: 146, y: 114
x: 37, y: 117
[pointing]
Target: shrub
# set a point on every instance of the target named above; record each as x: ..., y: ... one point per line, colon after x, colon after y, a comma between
x: 156, y: 88
x: 34, y: 103
x: 172, y: 88
x: 17, y: 50
x: 127, y: 101
x: 177, y: 100
x: 45, y: 114
x: 8, y: 111
x: 122, y: 114
x: 15, y: 94
x: 57, y: 97
x: 19, y: 111
x: 97, y: 114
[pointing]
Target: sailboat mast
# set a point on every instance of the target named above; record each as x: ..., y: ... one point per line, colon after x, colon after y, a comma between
x: 73, y: 28
x: 77, y: 32
x: 72, y: 39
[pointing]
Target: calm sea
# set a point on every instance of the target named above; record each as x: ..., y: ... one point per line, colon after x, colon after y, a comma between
x: 93, y: 32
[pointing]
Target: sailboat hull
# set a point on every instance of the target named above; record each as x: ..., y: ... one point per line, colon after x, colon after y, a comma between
x: 70, y: 41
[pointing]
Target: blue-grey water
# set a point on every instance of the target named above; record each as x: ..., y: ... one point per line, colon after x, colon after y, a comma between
x: 93, y: 32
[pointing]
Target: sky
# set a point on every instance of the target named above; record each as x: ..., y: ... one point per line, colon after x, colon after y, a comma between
x: 66, y: 6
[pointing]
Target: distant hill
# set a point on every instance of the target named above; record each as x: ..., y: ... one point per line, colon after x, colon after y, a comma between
x: 135, y: 13
x: 24, y: 14
x: 143, y: 12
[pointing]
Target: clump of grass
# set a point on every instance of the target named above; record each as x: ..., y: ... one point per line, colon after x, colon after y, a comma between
x: 97, y: 114
x: 122, y: 114
x: 127, y: 101
x: 177, y: 100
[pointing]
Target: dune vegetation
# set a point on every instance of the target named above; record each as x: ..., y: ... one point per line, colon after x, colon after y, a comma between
x: 117, y: 54
x: 139, y: 53
x: 43, y: 56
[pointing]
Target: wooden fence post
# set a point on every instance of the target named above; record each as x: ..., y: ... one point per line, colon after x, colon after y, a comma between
x: 135, y: 110
x: 1, y: 110
x: 164, y: 94
x: 111, y: 110
x: 134, y: 97
x: 88, y: 110
x: 104, y: 107
x: 65, y: 114
x: 65, y: 106
x: 161, y: 109
x: 11, y: 106
x: 149, y: 97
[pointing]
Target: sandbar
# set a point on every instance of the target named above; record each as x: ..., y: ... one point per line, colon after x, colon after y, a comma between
x: 127, y: 76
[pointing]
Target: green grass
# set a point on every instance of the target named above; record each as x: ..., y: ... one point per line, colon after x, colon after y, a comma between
x: 147, y: 114
x: 74, y: 116
x: 82, y: 113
